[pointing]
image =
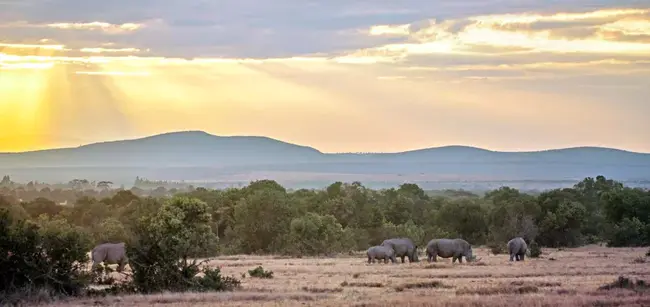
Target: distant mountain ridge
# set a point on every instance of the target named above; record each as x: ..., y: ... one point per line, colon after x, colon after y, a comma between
x: 197, y: 155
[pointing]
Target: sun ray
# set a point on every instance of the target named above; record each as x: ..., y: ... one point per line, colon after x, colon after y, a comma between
x: 21, y: 116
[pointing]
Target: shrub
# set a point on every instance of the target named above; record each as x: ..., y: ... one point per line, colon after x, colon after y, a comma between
x: 535, y: 250
x: 260, y: 273
x: 213, y: 281
x: 163, y: 244
x: 626, y: 283
x: 496, y: 248
x: 48, y: 259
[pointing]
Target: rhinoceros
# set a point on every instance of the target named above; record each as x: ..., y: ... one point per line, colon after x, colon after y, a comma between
x: 110, y: 253
x: 403, y: 247
x: 517, y: 249
x: 445, y: 248
x: 380, y: 252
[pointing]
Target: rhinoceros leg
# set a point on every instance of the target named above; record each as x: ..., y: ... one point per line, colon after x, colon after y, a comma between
x: 460, y: 259
x: 453, y: 259
x: 120, y: 267
x: 95, y: 265
x: 403, y: 258
x: 512, y: 257
x: 521, y: 257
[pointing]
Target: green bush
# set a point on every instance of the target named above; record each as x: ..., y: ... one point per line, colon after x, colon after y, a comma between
x: 49, y: 259
x: 628, y: 232
x: 496, y: 248
x: 535, y: 250
x: 163, y: 244
x: 314, y: 234
x: 260, y: 273
x: 213, y: 281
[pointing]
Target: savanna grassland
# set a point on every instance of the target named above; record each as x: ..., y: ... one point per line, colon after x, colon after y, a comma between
x: 560, y: 277
x: 46, y: 234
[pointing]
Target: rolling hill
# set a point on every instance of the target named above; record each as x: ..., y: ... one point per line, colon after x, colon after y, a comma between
x: 196, y: 155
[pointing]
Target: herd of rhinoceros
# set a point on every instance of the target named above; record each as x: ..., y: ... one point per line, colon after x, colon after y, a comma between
x: 445, y: 248
x: 115, y: 253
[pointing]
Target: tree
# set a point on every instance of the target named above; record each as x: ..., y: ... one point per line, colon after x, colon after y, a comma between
x: 512, y: 214
x: 49, y: 258
x: 261, y: 220
x: 562, y: 227
x: 313, y: 234
x: 42, y: 206
x: 465, y: 217
x: 104, y: 185
x: 164, y: 243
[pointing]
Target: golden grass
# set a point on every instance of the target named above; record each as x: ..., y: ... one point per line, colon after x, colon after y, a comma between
x: 572, y: 279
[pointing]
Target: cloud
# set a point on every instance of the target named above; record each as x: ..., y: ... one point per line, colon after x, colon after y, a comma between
x: 109, y: 50
x: 98, y: 26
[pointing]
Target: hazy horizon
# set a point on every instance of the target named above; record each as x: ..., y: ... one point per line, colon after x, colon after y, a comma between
x: 338, y: 76
x: 324, y: 152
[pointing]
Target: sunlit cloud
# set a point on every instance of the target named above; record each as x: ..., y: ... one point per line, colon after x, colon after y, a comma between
x: 629, y: 26
x: 114, y: 73
x: 110, y: 50
x: 390, y: 30
x: 32, y: 46
x: 532, y: 18
x: 98, y: 26
x: 26, y: 66
x: 536, y: 65
x: 472, y: 35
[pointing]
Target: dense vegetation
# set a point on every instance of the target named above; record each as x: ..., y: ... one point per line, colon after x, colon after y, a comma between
x: 264, y: 217
x: 161, y: 227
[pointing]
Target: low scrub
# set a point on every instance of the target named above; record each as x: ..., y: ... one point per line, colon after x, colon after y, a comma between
x: 535, y: 283
x: 322, y: 290
x: 421, y: 285
x: 534, y: 249
x: 496, y: 248
x: 627, y: 283
x: 498, y: 290
x: 259, y: 272
x: 362, y: 284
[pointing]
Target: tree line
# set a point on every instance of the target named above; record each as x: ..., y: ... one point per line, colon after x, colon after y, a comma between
x: 264, y: 217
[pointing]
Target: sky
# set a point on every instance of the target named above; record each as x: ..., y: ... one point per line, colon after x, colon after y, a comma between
x: 337, y: 75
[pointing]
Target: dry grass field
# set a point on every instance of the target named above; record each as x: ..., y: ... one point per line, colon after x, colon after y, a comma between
x: 570, y: 277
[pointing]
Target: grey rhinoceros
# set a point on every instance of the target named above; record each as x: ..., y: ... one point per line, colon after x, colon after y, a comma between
x: 445, y: 248
x: 403, y: 247
x: 380, y: 252
x: 517, y: 249
x: 110, y: 253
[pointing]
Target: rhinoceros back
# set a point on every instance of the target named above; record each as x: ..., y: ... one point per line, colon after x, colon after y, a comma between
x: 109, y: 253
x: 401, y: 246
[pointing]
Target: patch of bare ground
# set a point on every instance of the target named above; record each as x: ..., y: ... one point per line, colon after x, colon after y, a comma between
x: 574, y: 279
